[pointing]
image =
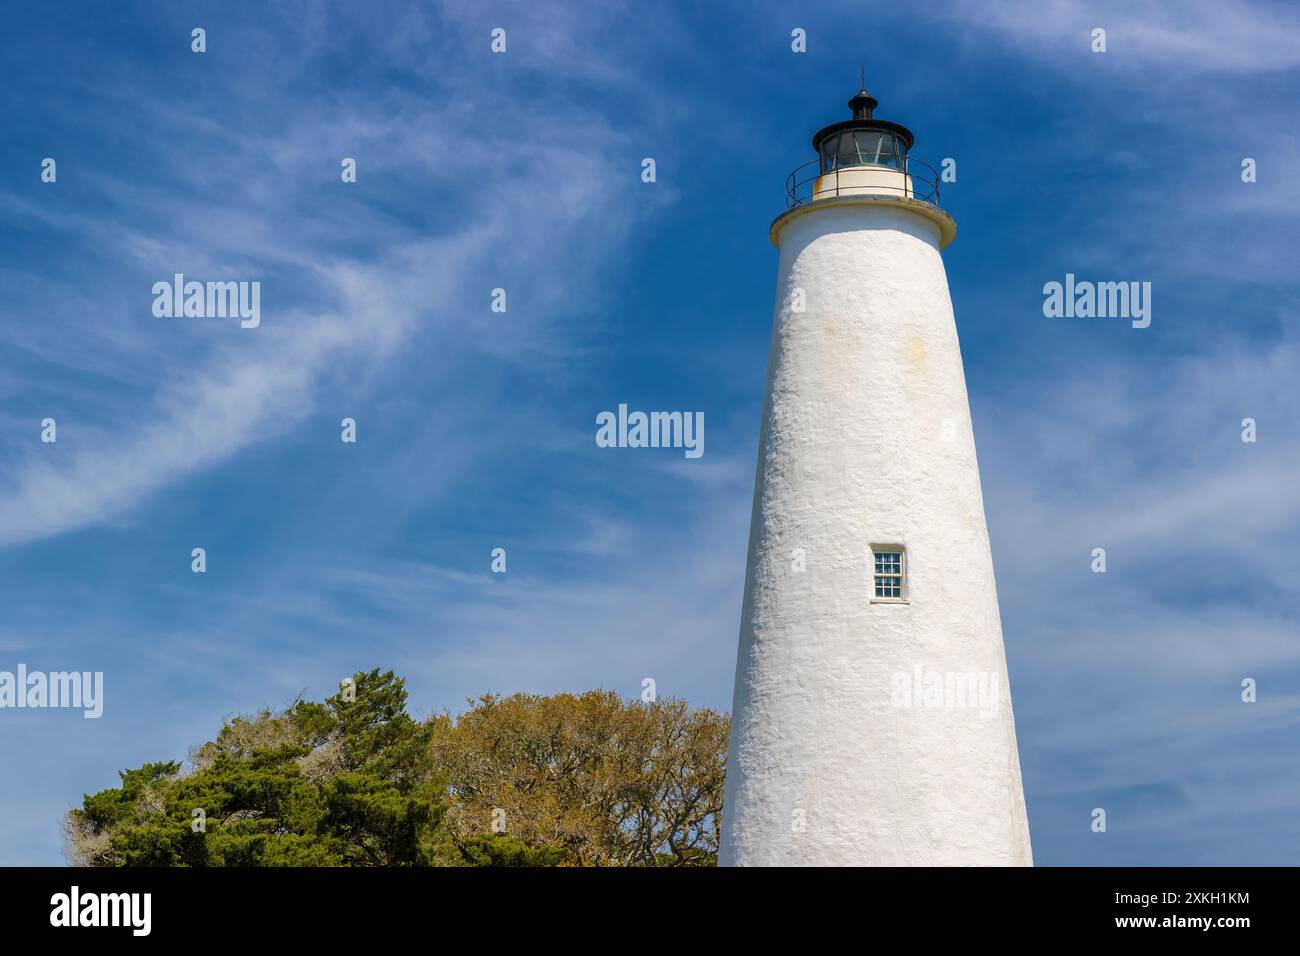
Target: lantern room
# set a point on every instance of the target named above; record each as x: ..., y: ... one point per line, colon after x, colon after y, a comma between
x: 865, y: 161
x: 863, y: 155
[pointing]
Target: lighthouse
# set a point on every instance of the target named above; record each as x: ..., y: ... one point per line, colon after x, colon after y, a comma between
x: 872, y: 721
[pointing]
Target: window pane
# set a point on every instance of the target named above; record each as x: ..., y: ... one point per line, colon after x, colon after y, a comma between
x: 847, y: 154
x: 868, y: 142
x: 828, y: 155
x: 887, y: 577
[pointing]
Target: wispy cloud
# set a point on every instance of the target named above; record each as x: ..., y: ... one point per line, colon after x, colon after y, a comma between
x: 244, y: 218
x: 1201, y: 35
x: 1133, y: 676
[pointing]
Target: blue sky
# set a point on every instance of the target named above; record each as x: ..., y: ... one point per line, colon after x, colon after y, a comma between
x: 476, y: 429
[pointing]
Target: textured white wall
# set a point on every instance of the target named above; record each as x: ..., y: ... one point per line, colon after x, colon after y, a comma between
x: 866, y: 439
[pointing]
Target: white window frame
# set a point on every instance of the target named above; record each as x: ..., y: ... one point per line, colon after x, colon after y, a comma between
x: 903, y: 589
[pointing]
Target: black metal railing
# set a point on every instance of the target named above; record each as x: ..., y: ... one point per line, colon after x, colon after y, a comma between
x: 917, y: 180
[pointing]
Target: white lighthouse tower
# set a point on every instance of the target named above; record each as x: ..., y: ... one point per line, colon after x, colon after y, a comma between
x: 872, y: 721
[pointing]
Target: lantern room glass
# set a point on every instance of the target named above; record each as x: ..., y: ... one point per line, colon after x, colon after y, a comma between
x: 863, y: 147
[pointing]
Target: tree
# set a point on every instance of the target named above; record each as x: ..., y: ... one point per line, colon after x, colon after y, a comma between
x: 330, y: 784
x: 613, y: 783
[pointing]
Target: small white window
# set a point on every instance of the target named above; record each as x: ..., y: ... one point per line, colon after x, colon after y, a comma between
x: 889, y: 573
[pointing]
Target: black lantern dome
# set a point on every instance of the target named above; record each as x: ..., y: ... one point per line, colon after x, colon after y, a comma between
x: 863, y: 140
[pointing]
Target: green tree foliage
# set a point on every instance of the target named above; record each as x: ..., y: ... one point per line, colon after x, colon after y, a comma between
x: 356, y: 781
x: 333, y: 784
